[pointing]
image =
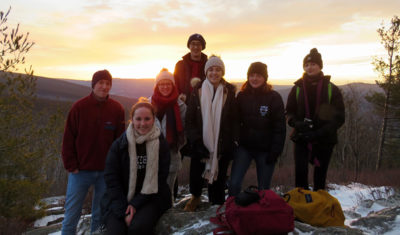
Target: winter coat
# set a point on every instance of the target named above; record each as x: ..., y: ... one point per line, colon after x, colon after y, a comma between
x: 116, y: 176
x: 176, y: 158
x: 228, y: 126
x: 183, y: 74
x: 90, y: 129
x: 327, y: 119
x: 262, y: 120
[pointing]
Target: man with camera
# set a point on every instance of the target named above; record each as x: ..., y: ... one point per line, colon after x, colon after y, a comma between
x: 315, y: 110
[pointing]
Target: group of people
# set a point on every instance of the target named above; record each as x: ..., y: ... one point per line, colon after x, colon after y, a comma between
x: 194, y: 112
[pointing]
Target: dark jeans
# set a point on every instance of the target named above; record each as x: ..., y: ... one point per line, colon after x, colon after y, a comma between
x: 323, y: 153
x: 216, y: 190
x: 143, y: 222
x: 241, y: 162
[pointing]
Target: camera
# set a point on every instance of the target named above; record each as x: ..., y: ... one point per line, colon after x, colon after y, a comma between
x: 309, y: 123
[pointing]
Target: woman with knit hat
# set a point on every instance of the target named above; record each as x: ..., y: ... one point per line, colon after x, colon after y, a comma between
x: 210, y: 129
x: 137, y: 167
x: 262, y: 129
x: 315, y: 110
x: 170, y: 113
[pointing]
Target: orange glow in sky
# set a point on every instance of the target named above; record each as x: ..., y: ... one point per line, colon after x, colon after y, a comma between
x: 135, y: 39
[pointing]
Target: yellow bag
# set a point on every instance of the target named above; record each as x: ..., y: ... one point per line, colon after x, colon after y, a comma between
x: 315, y: 208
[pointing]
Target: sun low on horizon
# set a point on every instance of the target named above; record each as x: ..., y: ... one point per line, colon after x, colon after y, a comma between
x: 136, y: 39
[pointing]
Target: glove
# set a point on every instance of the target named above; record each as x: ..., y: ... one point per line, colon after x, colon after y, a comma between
x: 201, y: 151
x: 300, y: 126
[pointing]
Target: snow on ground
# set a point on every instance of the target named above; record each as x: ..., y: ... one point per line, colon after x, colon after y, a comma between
x: 43, y: 221
x: 350, y: 196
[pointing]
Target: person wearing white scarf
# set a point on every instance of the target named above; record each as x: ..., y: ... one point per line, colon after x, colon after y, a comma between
x: 136, y: 171
x: 209, y: 127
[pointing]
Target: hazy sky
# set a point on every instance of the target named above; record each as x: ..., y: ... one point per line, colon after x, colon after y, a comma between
x: 135, y: 39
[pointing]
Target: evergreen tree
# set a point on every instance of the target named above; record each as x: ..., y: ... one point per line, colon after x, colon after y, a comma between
x: 388, y: 103
x: 26, y: 146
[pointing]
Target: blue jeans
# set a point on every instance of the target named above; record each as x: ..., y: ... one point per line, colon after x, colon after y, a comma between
x: 241, y: 162
x: 78, y: 186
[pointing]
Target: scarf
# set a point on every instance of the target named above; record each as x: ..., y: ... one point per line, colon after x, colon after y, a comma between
x: 211, y: 109
x: 319, y: 81
x: 168, y: 105
x: 150, y: 183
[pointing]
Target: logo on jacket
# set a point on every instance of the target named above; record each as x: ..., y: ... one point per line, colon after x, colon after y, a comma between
x: 263, y: 110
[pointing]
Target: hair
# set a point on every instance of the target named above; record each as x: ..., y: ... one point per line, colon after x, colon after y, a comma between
x: 142, y: 102
x: 266, y: 87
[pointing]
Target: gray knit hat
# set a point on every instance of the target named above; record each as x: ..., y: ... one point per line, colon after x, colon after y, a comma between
x: 214, y: 61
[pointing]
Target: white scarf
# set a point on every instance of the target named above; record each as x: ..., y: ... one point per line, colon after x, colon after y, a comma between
x: 150, y: 183
x: 211, y: 110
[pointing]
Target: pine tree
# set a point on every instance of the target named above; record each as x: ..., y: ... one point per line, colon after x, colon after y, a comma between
x: 388, y: 103
x: 25, y: 145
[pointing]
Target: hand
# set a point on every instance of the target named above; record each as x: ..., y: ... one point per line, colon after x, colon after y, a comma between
x: 300, y: 126
x: 129, y: 213
x: 202, y: 151
x: 182, y: 97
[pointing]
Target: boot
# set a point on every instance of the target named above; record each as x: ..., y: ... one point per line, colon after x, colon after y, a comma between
x: 192, y: 204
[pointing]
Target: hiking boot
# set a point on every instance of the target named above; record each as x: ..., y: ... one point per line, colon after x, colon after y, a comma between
x: 192, y: 204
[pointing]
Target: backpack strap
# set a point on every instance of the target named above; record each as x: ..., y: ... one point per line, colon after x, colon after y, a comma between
x: 329, y: 92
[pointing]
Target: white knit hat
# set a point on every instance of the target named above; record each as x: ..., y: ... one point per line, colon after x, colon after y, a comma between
x: 165, y: 74
x: 214, y: 61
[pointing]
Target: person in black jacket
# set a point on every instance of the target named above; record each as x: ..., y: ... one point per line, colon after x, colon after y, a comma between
x: 210, y: 122
x: 137, y: 167
x: 262, y: 129
x: 315, y: 110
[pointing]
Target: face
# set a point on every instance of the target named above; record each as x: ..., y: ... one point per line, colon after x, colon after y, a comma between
x: 312, y: 69
x: 195, y: 47
x: 256, y: 80
x: 143, y: 120
x: 165, y: 87
x: 214, y: 75
x: 102, y: 88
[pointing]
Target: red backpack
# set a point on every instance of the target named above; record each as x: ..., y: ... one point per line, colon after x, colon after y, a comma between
x: 269, y: 215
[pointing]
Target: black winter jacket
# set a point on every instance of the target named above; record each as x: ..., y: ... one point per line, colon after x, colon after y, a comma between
x: 262, y: 120
x: 228, y: 132
x: 327, y: 120
x: 183, y: 74
x: 116, y: 176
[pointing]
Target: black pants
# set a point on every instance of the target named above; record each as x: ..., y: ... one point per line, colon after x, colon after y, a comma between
x: 323, y: 153
x: 216, y: 190
x: 143, y: 222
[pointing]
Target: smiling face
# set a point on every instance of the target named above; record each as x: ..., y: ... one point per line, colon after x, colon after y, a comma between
x: 143, y: 120
x: 101, y: 89
x: 312, y: 69
x: 214, y: 75
x: 165, y: 87
x: 195, y: 47
x: 256, y: 80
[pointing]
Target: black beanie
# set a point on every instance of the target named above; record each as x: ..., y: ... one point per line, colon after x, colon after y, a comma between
x: 259, y: 68
x: 314, y: 57
x: 197, y: 36
x: 101, y: 75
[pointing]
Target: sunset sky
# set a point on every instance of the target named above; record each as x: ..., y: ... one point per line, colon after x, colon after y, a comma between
x: 136, y: 38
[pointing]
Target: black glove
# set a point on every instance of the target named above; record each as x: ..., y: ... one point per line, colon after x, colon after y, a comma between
x: 201, y: 151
